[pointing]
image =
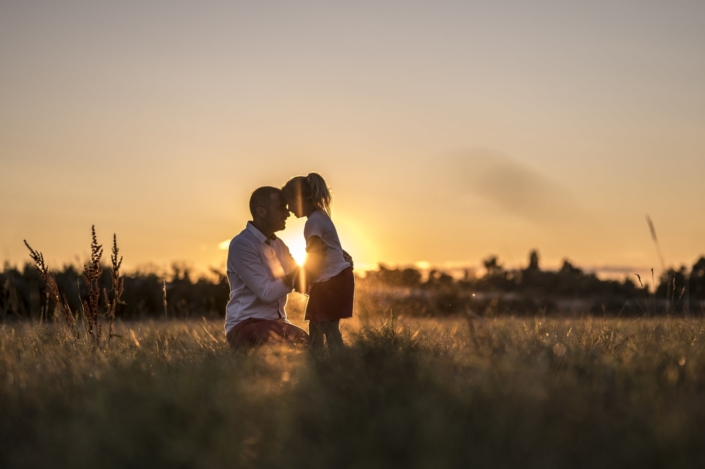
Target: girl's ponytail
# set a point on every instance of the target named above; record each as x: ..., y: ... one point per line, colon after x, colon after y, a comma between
x: 320, y: 194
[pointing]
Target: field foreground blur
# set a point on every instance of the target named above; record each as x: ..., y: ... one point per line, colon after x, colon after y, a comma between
x: 429, y: 393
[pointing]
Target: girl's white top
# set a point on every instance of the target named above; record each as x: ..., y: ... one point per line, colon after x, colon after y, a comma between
x: 319, y: 224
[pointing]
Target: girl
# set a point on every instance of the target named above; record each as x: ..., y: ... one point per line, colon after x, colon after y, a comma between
x: 329, y: 270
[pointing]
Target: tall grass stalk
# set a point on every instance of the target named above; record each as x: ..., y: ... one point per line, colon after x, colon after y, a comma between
x: 164, y: 302
x: 53, y: 292
x: 92, y: 309
x: 91, y: 275
x: 117, y: 286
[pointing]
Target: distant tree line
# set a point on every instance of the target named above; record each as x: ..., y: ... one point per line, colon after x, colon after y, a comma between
x: 531, y: 290
x: 23, y: 294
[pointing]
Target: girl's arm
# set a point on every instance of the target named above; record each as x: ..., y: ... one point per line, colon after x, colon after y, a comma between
x: 315, y: 244
x: 316, y: 251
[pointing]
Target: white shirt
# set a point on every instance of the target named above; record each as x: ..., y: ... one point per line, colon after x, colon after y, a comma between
x: 256, y: 266
x: 319, y: 224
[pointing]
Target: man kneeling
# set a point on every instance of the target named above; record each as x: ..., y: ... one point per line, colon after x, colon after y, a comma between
x: 261, y: 273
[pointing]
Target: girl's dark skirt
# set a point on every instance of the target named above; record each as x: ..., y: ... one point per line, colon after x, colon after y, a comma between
x: 332, y: 299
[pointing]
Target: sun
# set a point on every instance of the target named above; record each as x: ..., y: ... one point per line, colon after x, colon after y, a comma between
x: 299, y: 255
x: 294, y: 239
x: 297, y: 248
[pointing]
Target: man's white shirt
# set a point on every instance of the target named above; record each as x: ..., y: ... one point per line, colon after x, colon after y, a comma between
x: 255, y: 269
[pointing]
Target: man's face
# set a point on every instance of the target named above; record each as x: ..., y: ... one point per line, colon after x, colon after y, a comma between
x: 277, y: 212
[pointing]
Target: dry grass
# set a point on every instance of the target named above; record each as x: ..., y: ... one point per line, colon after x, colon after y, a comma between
x: 92, y: 311
x: 505, y: 393
x: 53, y: 292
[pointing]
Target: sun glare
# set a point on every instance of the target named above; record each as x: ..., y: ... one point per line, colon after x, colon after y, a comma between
x: 297, y: 248
x: 299, y: 256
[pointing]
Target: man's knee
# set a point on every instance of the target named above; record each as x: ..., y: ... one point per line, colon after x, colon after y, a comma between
x: 266, y: 331
x: 237, y: 340
x: 294, y: 334
x: 249, y: 333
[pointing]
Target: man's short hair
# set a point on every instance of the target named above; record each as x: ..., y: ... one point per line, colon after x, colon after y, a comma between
x: 261, y: 197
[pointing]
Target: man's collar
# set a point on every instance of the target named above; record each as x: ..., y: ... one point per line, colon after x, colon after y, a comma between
x: 258, y: 234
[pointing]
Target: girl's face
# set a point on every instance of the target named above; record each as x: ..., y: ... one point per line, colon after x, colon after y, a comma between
x: 296, y: 205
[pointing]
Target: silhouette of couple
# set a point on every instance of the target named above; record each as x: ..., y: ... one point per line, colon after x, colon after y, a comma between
x: 262, y: 272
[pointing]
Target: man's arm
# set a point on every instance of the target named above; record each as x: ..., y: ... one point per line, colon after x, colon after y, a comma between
x: 248, y: 265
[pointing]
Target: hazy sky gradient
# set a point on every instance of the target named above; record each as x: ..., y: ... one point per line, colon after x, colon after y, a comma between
x: 448, y: 130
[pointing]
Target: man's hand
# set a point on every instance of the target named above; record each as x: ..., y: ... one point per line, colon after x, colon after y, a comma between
x: 348, y: 258
x: 291, y: 278
x: 296, y: 279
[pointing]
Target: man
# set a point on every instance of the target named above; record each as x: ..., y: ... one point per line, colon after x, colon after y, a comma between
x: 261, y: 272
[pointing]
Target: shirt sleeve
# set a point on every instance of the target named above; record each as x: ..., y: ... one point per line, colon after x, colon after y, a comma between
x: 313, y: 227
x: 247, y: 263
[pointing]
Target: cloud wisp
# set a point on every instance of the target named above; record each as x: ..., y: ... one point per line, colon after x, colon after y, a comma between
x: 512, y: 187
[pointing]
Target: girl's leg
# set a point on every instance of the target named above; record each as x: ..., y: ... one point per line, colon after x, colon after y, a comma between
x: 333, y: 335
x: 316, y: 334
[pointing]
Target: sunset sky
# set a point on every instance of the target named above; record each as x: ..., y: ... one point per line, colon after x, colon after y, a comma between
x: 448, y: 131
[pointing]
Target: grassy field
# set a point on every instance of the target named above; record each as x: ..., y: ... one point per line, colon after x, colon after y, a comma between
x: 487, y: 393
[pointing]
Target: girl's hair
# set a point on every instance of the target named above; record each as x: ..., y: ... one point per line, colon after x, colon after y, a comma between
x: 311, y: 187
